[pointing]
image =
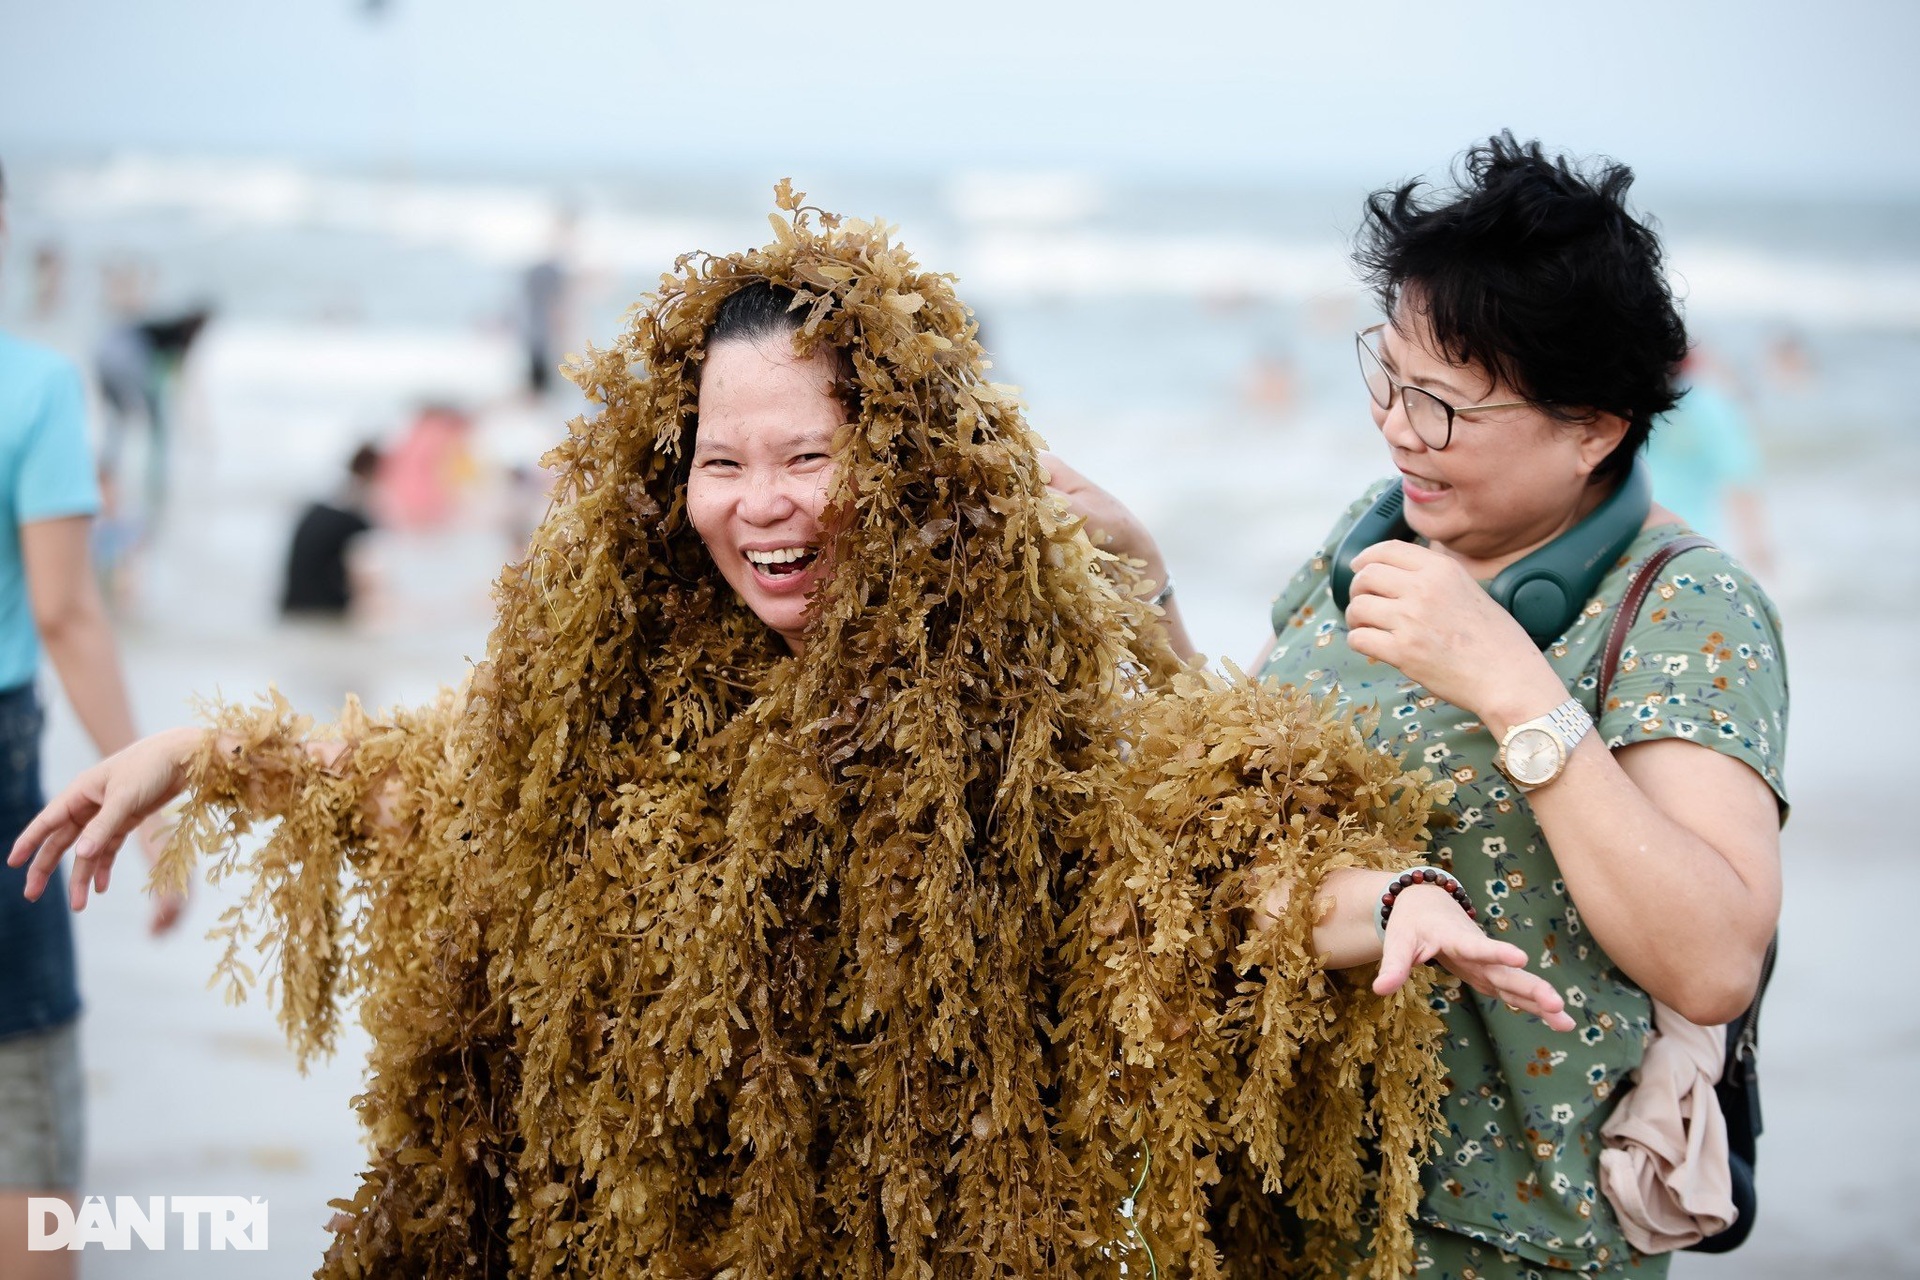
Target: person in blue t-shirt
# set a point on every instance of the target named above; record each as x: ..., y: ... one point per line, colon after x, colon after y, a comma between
x: 48, y: 601
x: 1706, y: 468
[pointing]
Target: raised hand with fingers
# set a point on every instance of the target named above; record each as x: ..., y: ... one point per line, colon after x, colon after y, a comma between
x: 1428, y: 925
x: 96, y: 813
x: 1112, y: 527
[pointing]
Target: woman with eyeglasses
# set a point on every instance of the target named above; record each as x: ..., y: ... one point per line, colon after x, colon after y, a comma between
x: 1631, y: 848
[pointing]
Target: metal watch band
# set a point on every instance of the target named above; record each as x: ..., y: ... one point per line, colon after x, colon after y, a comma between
x: 1570, y: 723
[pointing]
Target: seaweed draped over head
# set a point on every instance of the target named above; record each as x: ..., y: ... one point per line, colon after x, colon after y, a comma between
x: 900, y: 956
x: 835, y: 876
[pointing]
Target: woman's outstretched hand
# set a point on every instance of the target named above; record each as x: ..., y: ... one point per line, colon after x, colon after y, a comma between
x: 101, y: 808
x: 1427, y: 924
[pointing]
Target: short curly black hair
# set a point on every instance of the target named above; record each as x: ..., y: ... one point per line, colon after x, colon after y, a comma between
x: 1533, y: 268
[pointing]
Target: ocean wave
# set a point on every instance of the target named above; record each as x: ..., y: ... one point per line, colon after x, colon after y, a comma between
x: 497, y: 224
x: 1010, y: 237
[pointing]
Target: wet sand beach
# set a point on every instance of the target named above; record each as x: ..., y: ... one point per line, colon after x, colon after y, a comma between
x: 191, y: 1096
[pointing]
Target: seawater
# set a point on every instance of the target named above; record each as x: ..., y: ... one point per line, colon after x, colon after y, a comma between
x: 1189, y: 348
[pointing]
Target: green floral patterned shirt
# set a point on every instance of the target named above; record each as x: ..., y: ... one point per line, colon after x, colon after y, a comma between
x: 1518, y: 1163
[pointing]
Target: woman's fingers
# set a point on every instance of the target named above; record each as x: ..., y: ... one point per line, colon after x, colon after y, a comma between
x: 1529, y: 993
x: 69, y: 810
x: 1517, y: 986
x: 1544, y: 1003
x: 1408, y: 556
x: 1402, y: 950
x: 1479, y: 947
x: 1434, y: 926
x: 108, y: 830
x: 98, y: 844
x: 90, y: 859
x: 40, y: 871
x: 1396, y: 964
x: 1055, y: 470
x: 1388, y: 581
x: 1369, y: 642
x: 99, y: 810
x: 1498, y: 970
x: 168, y: 909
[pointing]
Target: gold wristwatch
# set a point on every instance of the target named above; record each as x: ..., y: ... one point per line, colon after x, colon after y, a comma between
x: 1535, y: 752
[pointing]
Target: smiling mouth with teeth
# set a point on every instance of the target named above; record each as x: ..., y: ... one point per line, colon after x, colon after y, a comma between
x: 781, y: 563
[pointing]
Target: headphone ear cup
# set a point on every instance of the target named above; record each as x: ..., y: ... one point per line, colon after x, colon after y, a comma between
x: 1386, y: 519
x: 1539, y: 603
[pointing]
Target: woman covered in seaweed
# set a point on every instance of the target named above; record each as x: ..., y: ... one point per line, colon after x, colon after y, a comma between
x: 830, y: 870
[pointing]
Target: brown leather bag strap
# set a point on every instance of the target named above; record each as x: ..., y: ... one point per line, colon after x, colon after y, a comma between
x: 1629, y: 611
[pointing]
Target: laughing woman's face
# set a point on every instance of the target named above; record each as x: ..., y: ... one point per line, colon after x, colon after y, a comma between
x: 763, y: 467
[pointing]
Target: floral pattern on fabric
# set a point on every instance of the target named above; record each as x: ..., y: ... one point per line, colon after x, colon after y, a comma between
x: 1517, y: 1166
x: 1442, y: 1255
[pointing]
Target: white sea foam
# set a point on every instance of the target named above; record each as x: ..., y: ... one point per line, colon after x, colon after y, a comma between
x: 1021, y: 264
x: 1721, y: 278
x: 1056, y: 236
x: 497, y: 224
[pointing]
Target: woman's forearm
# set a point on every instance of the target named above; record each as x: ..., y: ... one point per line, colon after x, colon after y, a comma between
x: 1427, y: 926
x: 380, y: 804
x: 1344, y: 912
x: 82, y: 652
x: 1685, y: 909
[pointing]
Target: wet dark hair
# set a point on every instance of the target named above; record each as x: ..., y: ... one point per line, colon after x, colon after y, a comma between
x: 365, y: 462
x: 765, y: 310
x: 757, y: 310
x: 1536, y: 270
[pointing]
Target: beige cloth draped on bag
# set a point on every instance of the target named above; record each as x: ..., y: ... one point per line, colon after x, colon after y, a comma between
x: 1665, y: 1167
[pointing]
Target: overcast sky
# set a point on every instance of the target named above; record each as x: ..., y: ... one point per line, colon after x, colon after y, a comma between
x: 1782, y: 95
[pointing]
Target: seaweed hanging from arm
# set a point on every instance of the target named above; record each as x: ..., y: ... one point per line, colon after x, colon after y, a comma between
x: 1229, y: 1052
x: 356, y: 898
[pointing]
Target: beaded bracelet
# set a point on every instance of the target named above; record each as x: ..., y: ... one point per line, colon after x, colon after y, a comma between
x: 1421, y: 875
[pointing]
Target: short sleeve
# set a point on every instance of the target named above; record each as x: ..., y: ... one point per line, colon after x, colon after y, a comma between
x: 55, y: 473
x: 1704, y: 663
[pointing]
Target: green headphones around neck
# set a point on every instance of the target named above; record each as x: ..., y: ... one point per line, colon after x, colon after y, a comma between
x: 1544, y: 591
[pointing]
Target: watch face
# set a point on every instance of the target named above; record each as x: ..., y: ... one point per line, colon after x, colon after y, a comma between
x: 1533, y: 756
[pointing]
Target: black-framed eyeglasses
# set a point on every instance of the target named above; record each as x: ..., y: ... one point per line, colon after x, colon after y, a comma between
x: 1430, y: 417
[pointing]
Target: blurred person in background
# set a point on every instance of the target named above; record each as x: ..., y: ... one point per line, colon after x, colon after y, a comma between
x: 529, y: 494
x: 49, y: 285
x: 118, y: 540
x: 1271, y: 384
x: 1790, y: 364
x: 1530, y: 343
x: 48, y: 600
x: 423, y: 477
x: 140, y: 363
x: 323, y: 580
x: 545, y: 296
x: 1706, y: 467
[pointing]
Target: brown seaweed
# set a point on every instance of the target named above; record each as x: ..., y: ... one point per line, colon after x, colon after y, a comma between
x: 900, y: 958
